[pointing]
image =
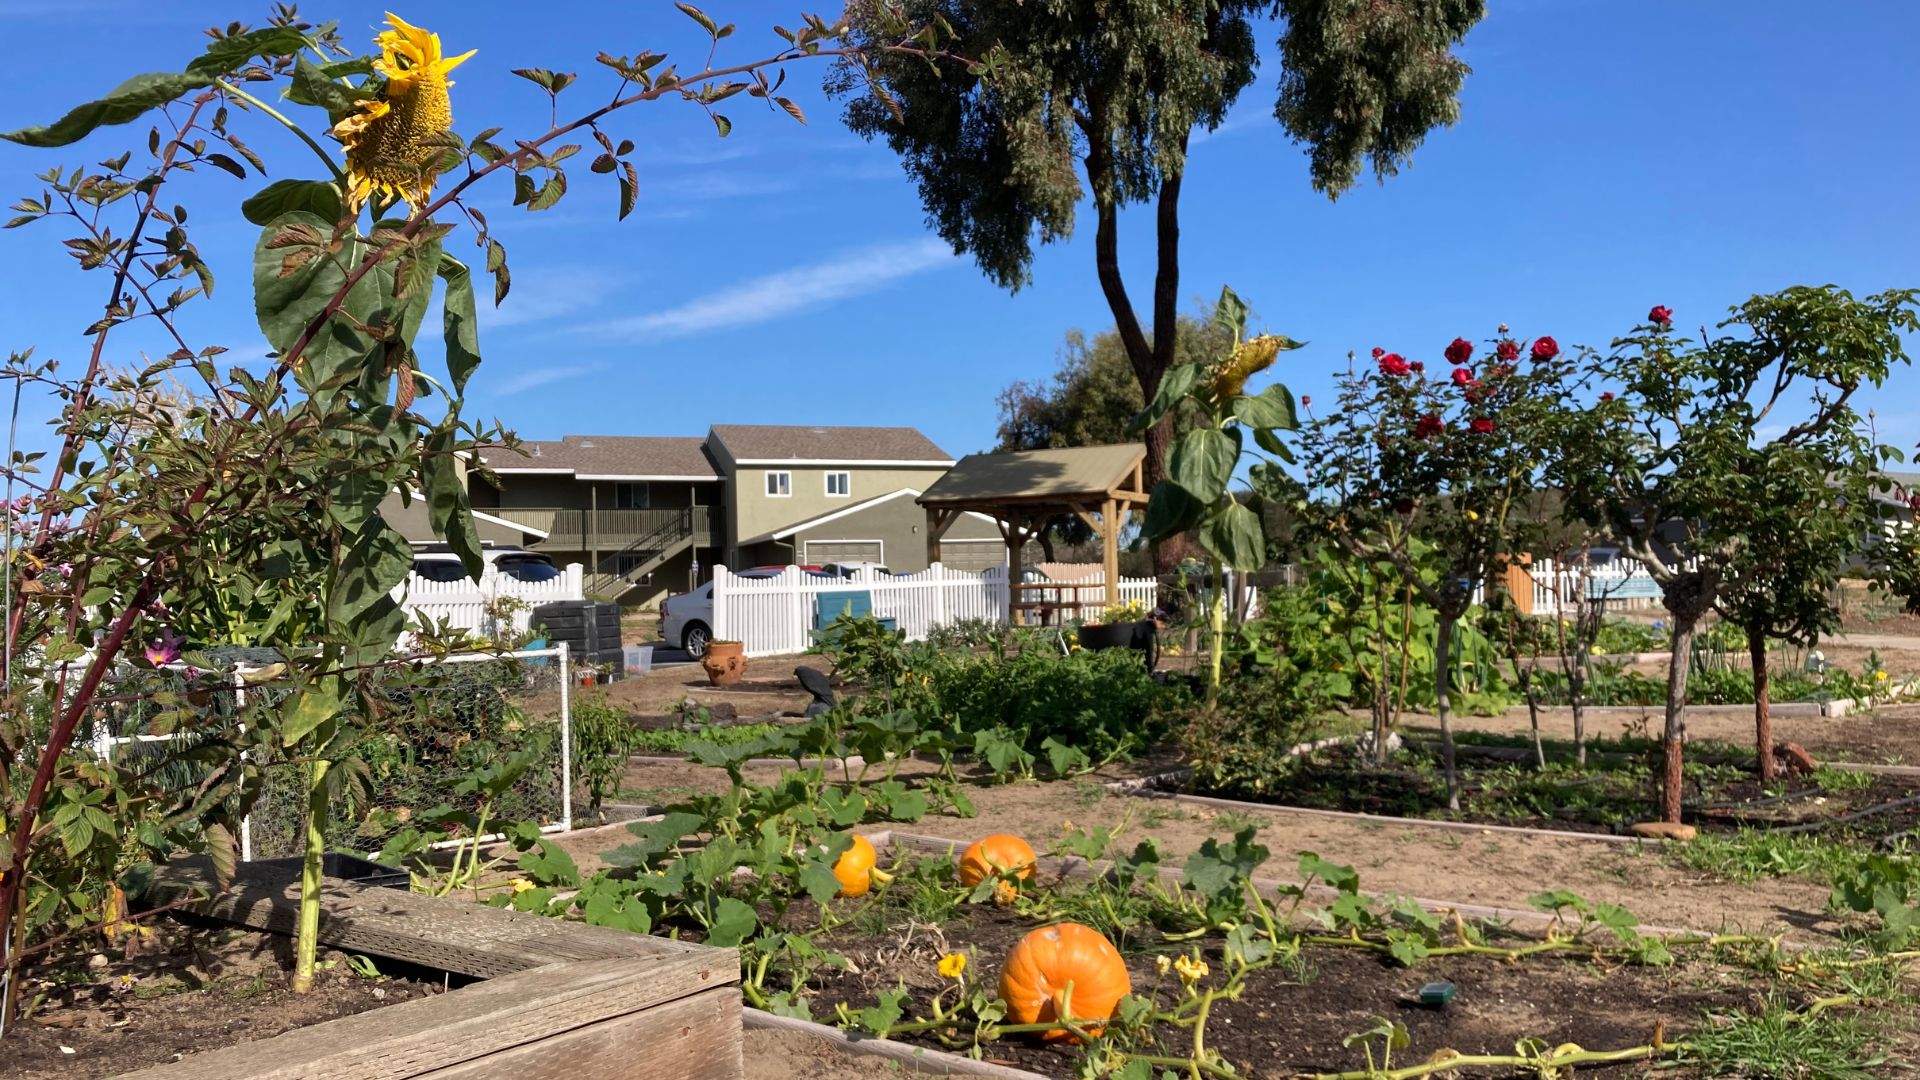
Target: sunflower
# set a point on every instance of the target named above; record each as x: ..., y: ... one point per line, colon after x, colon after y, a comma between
x: 1248, y: 358
x: 393, y: 144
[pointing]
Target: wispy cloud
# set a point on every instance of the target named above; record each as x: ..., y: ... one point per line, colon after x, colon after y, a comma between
x: 528, y: 380
x: 771, y: 296
x: 540, y: 293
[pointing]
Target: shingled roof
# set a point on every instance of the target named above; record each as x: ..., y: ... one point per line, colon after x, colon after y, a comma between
x: 768, y: 443
x: 611, y: 457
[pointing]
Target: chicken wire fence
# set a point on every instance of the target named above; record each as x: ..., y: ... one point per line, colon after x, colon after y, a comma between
x: 409, y: 783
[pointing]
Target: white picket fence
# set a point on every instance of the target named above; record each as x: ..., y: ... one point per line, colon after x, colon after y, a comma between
x: 1624, y: 584
x: 772, y: 616
x: 464, y: 603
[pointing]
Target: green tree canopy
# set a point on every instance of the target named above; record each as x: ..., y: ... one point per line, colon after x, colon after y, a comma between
x: 1069, y: 99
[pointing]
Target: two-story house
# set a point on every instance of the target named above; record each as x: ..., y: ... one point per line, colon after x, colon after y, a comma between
x: 651, y: 515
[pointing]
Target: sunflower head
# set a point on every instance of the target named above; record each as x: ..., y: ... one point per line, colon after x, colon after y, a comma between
x: 393, y: 141
x: 1248, y: 359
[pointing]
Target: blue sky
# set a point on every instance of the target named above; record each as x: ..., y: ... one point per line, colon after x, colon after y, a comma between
x: 1611, y: 154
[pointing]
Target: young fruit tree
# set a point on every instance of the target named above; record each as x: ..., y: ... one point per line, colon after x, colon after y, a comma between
x: 1687, y: 441
x: 1806, y: 523
x: 1069, y: 101
x: 1421, y: 475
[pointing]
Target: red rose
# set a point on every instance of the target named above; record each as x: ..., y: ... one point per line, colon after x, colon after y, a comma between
x: 1608, y: 396
x: 1462, y: 377
x: 1661, y: 315
x: 1428, y: 427
x: 1306, y: 401
x: 1417, y: 366
x: 1378, y: 352
x: 1545, y: 348
x: 1482, y: 425
x: 1509, y: 350
x: 1475, y: 393
x: 1460, y: 351
x: 1394, y: 364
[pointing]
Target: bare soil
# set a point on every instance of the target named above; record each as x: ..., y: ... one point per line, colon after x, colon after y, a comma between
x: 189, y: 991
x: 1291, y: 1021
x: 793, y: 1055
x: 1889, y: 735
x: 1488, y: 867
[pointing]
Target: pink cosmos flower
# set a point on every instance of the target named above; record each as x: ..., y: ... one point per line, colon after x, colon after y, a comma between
x: 164, y: 649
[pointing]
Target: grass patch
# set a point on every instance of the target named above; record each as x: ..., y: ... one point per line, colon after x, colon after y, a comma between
x: 1781, y: 1044
x: 1753, y: 854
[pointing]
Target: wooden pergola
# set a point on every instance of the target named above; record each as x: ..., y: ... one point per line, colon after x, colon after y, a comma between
x: 1020, y: 491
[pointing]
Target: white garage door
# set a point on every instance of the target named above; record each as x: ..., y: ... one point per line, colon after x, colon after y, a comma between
x: 822, y: 552
x: 972, y: 555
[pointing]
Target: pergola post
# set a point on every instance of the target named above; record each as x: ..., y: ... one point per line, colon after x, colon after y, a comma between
x: 1010, y: 524
x: 1110, y: 548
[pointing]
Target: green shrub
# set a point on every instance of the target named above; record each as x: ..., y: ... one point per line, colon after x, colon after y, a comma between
x: 603, y: 738
x: 1263, y: 713
x: 1104, y: 703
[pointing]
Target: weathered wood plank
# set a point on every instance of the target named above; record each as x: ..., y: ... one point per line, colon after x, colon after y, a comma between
x: 466, y: 939
x: 900, y: 1056
x: 437, y: 1033
x: 696, y: 1038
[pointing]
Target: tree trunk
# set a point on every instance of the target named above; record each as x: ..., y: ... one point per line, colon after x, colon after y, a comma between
x: 1762, y: 708
x: 1673, y: 773
x: 1442, y: 677
x: 1046, y: 542
x: 1149, y: 358
x: 1533, y: 718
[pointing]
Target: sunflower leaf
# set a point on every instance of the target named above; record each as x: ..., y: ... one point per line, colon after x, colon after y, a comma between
x: 233, y: 51
x: 123, y: 103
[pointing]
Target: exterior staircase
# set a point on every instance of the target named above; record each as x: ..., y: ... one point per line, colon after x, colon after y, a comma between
x: 622, y: 570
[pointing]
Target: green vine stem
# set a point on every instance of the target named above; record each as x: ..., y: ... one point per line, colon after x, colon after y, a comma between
x: 269, y: 110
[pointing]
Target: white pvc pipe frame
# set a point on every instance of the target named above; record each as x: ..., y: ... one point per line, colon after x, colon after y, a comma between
x: 103, y: 744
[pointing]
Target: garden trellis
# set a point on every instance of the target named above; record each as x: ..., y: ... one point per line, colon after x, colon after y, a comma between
x: 271, y: 829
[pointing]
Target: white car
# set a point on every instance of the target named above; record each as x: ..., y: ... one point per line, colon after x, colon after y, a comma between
x: 686, y: 619
x: 437, y: 562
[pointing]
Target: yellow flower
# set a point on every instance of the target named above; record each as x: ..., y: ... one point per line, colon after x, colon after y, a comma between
x: 1472, y: 516
x: 1191, y: 968
x: 1880, y: 676
x: 1162, y: 964
x: 1248, y: 359
x: 521, y: 885
x: 1598, y: 651
x: 953, y: 965
x: 1004, y: 892
x: 392, y: 147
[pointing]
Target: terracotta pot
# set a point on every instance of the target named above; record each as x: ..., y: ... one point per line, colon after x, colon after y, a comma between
x: 725, y: 662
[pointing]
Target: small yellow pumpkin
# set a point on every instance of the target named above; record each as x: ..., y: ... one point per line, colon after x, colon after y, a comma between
x: 854, y: 868
x: 1065, y: 971
x: 996, y: 854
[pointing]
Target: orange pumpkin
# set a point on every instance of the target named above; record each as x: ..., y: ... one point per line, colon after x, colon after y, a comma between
x: 996, y: 854
x: 854, y: 868
x: 1034, y: 981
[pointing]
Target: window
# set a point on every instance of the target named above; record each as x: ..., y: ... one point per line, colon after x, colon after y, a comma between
x: 839, y: 484
x: 632, y: 496
x: 529, y: 568
x: 780, y: 484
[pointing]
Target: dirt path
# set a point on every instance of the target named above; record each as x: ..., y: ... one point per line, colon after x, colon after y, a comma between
x: 1481, y: 867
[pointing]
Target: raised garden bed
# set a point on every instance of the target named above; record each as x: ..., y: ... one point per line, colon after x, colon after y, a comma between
x: 544, y: 999
x: 1611, y: 795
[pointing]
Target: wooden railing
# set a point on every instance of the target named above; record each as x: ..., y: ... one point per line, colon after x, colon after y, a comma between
x: 609, y: 530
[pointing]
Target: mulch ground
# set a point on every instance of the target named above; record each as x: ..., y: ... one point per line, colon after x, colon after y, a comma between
x: 188, y: 991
